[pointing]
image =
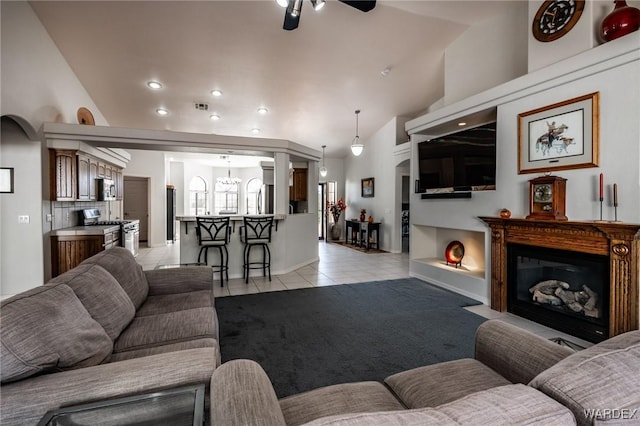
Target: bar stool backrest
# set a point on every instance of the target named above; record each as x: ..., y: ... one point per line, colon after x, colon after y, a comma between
x: 211, y: 229
x: 257, y: 229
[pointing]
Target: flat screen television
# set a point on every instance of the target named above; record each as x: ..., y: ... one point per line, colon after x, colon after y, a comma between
x: 461, y: 161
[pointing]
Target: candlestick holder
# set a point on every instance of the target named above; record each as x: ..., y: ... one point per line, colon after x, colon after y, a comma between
x: 601, y: 203
x: 601, y: 200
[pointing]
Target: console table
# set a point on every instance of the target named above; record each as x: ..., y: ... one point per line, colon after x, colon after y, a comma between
x: 361, y: 233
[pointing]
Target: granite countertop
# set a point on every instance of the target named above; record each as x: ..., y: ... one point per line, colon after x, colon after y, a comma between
x: 87, y: 230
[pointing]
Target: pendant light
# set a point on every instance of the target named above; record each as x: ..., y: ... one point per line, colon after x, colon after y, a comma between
x: 356, y: 146
x: 228, y: 183
x: 323, y: 169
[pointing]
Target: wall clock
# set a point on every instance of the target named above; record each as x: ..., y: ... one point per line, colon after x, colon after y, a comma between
x: 547, y: 198
x: 555, y: 18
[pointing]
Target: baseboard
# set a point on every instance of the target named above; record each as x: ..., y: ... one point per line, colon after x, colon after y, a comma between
x: 295, y: 267
x: 430, y: 280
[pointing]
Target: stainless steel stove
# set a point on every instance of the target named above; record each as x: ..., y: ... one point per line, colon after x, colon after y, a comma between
x: 129, y: 229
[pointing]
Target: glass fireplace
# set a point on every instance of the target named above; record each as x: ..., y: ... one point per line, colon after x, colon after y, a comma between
x: 564, y: 290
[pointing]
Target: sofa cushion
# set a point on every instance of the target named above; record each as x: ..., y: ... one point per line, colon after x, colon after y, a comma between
x: 344, y: 398
x: 101, y: 295
x: 172, y: 347
x: 422, y: 417
x: 48, y: 328
x: 163, y: 329
x: 120, y: 263
x: 440, y: 383
x: 164, y: 303
x: 512, y: 404
x: 604, y: 376
x: 505, y: 405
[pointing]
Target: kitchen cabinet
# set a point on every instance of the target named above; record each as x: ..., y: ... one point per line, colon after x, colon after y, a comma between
x: 87, y: 174
x: 119, y: 178
x: 68, y: 251
x: 62, y: 172
x: 73, y: 176
x: 298, y: 191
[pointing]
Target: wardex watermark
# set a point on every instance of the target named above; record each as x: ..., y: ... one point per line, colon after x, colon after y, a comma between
x: 612, y: 413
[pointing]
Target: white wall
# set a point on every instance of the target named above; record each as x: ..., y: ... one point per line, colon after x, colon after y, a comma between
x: 37, y: 86
x: 21, y: 245
x: 619, y: 130
x: 487, y: 54
x: 375, y: 161
x: 151, y: 164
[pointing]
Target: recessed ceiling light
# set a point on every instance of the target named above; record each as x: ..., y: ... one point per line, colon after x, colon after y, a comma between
x: 154, y: 85
x: 162, y: 111
x: 255, y: 130
x: 385, y: 72
x: 462, y: 123
x: 283, y: 3
x: 263, y: 110
x: 216, y: 92
x: 214, y: 117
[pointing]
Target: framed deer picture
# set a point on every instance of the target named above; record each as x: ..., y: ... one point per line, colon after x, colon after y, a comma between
x: 561, y: 136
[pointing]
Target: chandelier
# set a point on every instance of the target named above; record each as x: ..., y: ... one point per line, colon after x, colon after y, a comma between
x: 227, y: 182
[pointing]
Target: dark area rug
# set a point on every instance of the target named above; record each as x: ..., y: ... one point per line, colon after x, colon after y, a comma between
x: 321, y: 336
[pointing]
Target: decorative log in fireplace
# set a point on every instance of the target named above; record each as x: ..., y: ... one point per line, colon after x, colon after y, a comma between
x: 619, y: 242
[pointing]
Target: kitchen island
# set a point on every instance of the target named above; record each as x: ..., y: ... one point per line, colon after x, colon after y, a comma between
x: 293, y: 245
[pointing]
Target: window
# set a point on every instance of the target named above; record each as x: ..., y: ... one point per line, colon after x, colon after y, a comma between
x: 332, y: 192
x: 197, y: 196
x: 254, y: 194
x: 226, y: 198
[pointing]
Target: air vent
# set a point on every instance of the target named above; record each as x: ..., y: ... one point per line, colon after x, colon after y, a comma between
x: 200, y: 106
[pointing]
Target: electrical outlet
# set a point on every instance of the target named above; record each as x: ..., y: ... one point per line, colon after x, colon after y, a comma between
x: 23, y: 219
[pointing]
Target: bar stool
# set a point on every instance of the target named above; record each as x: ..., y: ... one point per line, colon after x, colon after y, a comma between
x: 214, y: 232
x: 256, y: 231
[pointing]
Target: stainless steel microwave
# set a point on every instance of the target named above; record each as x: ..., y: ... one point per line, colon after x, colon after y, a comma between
x: 106, y: 189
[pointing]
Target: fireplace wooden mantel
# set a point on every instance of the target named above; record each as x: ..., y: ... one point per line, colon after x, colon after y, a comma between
x: 620, y: 242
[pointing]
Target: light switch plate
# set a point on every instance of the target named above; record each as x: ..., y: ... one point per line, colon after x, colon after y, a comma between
x: 23, y: 219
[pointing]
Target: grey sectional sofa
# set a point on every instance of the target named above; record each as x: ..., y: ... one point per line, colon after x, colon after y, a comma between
x: 516, y: 378
x: 105, y: 329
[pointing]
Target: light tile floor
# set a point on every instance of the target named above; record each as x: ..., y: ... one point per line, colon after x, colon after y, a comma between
x: 337, y: 265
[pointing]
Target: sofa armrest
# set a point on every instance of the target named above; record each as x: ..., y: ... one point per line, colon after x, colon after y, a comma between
x: 27, y: 401
x: 242, y: 394
x: 179, y: 280
x: 518, y: 355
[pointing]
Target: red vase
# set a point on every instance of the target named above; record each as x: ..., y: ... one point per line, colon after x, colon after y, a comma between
x: 621, y: 21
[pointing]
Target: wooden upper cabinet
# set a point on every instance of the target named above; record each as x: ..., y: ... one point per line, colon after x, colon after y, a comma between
x: 62, y: 172
x: 73, y: 176
x: 119, y: 178
x: 93, y: 175
x: 101, y: 169
x: 298, y: 192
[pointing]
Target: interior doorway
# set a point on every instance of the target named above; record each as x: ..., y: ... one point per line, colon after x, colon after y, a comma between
x: 322, y: 211
x: 136, y: 203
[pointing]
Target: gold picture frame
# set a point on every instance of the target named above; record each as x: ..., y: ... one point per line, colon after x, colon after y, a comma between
x: 561, y: 136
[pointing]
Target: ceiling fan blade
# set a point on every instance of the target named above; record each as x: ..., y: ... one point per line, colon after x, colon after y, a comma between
x: 363, y: 5
x: 291, y: 21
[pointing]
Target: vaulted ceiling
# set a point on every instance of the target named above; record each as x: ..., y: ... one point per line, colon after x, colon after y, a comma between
x: 311, y: 80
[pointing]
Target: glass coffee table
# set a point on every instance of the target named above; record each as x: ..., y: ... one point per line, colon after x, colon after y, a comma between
x: 175, y: 407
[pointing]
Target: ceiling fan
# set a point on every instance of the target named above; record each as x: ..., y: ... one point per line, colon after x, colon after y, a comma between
x: 294, y: 9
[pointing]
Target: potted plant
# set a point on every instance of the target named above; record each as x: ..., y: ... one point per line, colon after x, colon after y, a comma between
x: 336, y: 210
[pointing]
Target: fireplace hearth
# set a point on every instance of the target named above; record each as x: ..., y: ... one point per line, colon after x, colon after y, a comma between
x: 562, y: 289
x: 579, y: 277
